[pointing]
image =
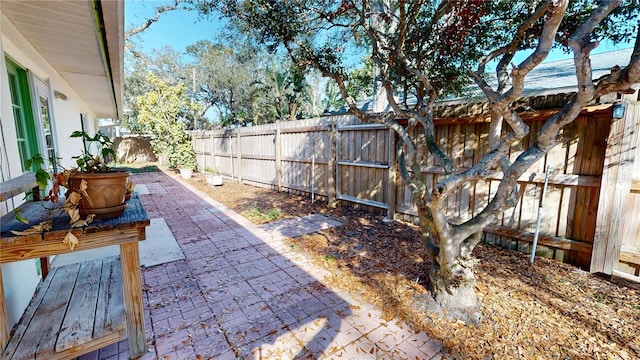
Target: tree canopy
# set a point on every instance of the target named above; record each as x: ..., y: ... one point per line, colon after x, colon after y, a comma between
x: 424, y: 51
x: 159, y: 112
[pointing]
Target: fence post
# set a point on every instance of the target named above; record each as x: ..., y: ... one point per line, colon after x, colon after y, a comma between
x: 212, y: 142
x: 278, y: 145
x: 614, y: 203
x: 331, y: 165
x: 239, y: 150
x: 391, y: 181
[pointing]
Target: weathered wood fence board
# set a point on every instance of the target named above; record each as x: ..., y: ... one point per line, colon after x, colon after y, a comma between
x: 340, y: 158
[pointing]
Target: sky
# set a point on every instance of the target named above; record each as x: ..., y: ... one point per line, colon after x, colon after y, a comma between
x: 179, y: 29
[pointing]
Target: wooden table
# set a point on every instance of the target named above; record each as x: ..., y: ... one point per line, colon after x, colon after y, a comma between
x: 79, y: 308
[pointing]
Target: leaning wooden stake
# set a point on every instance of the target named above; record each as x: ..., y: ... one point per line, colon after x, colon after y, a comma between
x: 535, y: 236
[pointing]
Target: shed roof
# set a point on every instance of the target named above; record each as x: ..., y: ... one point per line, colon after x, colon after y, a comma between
x: 550, y: 78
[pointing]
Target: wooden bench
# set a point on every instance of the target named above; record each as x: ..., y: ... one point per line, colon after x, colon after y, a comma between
x: 92, y: 293
x: 544, y: 240
x: 80, y: 307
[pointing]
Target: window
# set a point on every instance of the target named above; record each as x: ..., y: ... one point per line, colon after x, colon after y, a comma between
x: 22, y: 112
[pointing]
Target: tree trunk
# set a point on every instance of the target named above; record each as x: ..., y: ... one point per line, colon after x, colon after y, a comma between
x: 451, y: 277
x: 452, y: 285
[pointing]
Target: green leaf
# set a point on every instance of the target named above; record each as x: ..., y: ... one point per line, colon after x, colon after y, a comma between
x: 77, y: 134
x: 42, y: 178
x: 19, y: 217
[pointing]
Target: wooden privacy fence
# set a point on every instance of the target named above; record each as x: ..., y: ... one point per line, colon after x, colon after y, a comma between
x: 339, y: 159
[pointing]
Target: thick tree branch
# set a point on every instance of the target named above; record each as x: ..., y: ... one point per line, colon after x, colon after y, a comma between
x: 159, y: 11
x: 547, y: 135
x: 517, y: 38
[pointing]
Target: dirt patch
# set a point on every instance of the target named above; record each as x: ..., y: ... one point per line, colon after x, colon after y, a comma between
x: 545, y: 311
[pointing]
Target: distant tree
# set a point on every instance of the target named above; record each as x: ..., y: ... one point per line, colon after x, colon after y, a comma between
x: 426, y: 50
x: 281, y: 94
x: 167, y: 65
x: 358, y: 82
x: 161, y: 112
x: 223, y: 78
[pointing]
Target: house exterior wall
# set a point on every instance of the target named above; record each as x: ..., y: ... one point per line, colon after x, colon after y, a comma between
x: 21, y: 278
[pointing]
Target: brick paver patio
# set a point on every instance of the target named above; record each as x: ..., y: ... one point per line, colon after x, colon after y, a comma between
x: 242, y: 293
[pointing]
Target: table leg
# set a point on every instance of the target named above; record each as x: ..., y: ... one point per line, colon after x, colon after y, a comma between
x: 132, y: 286
x: 4, y: 319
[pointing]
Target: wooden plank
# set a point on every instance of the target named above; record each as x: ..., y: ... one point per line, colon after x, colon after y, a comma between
x: 635, y: 186
x: 110, y: 316
x: 18, y: 185
x: 563, y: 212
x: 366, y: 164
x: 544, y: 240
x: 238, y: 154
x: 306, y: 161
x: 278, y: 158
x: 361, y: 127
x: 19, y: 332
x: 392, y: 174
x: 616, y: 185
x: 253, y: 156
x: 363, y: 201
x: 303, y: 129
x: 53, y: 246
x: 77, y: 326
x: 41, y: 332
x: 630, y: 257
x: 355, y: 188
x: 134, y: 216
x: 4, y: 318
x: 133, y: 305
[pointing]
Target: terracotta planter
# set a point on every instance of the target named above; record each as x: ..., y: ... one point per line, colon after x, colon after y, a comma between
x: 106, y: 192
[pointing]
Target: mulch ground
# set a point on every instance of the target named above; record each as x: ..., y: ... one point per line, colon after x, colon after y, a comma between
x: 548, y: 310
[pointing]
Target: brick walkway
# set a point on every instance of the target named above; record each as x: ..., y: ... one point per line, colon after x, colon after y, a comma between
x: 242, y: 293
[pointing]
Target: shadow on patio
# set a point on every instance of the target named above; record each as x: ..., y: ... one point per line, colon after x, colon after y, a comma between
x: 235, y: 295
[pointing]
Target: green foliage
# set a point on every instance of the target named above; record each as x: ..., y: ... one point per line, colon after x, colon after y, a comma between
x: 443, y: 40
x: 211, y: 171
x: 223, y: 77
x: 88, y: 162
x: 159, y: 113
x: 283, y: 94
x: 35, y: 164
x: 256, y: 212
x: 359, y: 84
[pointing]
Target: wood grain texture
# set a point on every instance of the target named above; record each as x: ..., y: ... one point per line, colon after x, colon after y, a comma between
x: 40, y: 335
x: 59, y: 324
x: 110, y: 315
x: 571, y: 207
x: 76, y: 310
x: 4, y: 319
x: 18, y: 185
x: 544, y: 240
x: 616, y: 185
x: 133, y: 305
x: 77, y: 325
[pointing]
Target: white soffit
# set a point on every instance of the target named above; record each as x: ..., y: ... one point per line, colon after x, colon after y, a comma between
x: 64, y: 33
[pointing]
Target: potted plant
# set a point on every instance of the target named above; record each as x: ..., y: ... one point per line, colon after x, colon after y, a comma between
x: 212, y: 176
x: 184, y: 159
x: 93, y: 188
